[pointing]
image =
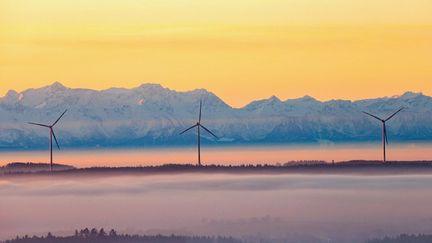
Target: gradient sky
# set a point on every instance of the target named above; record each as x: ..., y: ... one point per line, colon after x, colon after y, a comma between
x: 239, y: 49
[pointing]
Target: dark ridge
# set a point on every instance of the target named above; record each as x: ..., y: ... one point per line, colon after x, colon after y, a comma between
x: 28, y: 167
x: 101, y: 236
x: 299, y: 167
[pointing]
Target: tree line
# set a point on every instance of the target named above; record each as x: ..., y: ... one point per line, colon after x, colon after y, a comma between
x: 101, y: 236
x: 403, y: 238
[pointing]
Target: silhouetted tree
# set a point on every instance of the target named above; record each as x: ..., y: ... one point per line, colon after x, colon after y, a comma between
x: 102, y: 233
x: 85, y: 233
x: 112, y: 233
x: 93, y: 233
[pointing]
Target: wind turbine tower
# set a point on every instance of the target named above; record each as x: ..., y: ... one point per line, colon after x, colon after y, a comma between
x: 51, y: 136
x: 198, y: 125
x: 384, y: 130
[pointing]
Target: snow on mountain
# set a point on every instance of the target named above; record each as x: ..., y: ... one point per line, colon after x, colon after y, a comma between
x: 153, y: 115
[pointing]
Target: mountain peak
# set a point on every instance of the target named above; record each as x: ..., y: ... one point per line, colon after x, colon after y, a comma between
x: 260, y: 104
x: 308, y: 98
x: 200, y: 91
x: 274, y: 98
x: 11, y: 93
x: 270, y: 100
x: 57, y: 84
x: 305, y: 98
x: 12, y: 96
x: 151, y: 87
x: 411, y: 95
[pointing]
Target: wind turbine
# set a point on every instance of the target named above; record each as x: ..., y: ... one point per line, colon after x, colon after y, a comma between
x: 198, y: 125
x: 52, y: 134
x: 384, y: 130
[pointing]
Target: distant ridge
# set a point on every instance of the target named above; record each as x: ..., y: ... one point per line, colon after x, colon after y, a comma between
x: 363, y: 167
x: 152, y: 115
x: 20, y: 167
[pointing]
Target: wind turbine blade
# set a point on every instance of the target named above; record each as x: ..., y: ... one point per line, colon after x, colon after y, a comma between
x: 394, y: 114
x: 385, y: 134
x: 58, y: 119
x: 199, y: 118
x: 38, y: 124
x: 55, y: 139
x: 209, y: 131
x: 372, y: 115
x: 188, y: 129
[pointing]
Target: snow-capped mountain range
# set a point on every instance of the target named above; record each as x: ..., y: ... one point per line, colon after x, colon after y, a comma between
x: 153, y: 115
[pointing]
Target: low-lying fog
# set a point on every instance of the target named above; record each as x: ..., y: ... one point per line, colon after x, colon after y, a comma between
x: 291, y: 207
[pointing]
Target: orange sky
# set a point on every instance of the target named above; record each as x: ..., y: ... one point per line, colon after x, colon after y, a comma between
x: 224, y: 156
x: 241, y: 50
